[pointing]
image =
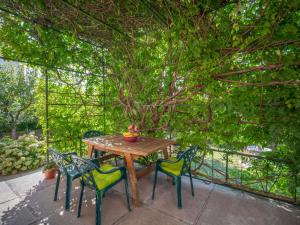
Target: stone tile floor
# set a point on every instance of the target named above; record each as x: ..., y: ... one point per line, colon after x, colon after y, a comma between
x: 27, y: 200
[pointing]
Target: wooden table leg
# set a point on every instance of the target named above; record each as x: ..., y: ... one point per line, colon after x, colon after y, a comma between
x: 90, y: 151
x: 132, y: 179
x: 165, y: 152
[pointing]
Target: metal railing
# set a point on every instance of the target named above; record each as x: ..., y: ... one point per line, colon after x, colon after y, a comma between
x: 269, y: 177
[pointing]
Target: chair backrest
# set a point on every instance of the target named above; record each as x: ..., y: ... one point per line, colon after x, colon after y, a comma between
x: 189, y: 154
x: 93, y: 133
x: 85, y: 168
x: 59, y: 159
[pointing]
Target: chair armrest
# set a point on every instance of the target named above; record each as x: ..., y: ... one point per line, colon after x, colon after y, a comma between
x: 95, y: 162
x: 69, y: 153
x: 159, y: 161
x: 67, y: 156
x: 112, y: 170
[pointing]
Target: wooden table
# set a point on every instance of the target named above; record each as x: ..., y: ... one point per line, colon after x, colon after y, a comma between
x: 144, y: 146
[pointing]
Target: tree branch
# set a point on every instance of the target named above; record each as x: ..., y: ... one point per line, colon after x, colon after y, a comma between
x: 272, y: 83
x: 256, y: 68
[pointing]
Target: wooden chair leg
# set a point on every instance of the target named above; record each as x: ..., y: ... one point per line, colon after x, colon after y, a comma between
x: 57, y: 185
x: 154, y: 183
x: 98, y: 207
x: 80, y: 199
x: 178, y: 186
x: 191, y: 181
x: 68, y: 192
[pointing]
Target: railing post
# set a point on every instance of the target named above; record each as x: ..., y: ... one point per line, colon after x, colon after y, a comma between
x: 226, y: 178
x: 295, y: 187
x: 241, y: 173
x: 267, y: 176
x: 47, y: 111
x: 212, y: 165
x: 80, y: 147
x: 104, y: 91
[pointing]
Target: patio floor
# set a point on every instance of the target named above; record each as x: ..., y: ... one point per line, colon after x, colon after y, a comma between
x: 27, y: 199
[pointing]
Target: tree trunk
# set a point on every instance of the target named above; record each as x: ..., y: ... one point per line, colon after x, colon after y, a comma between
x: 14, y: 133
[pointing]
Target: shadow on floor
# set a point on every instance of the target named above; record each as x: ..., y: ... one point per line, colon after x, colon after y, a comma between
x: 28, y: 200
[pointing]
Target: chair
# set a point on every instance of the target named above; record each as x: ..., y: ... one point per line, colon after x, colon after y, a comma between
x: 100, y: 179
x: 64, y: 163
x: 175, y: 167
x: 94, y: 133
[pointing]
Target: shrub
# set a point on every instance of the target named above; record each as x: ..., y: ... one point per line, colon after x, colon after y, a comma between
x: 23, y: 154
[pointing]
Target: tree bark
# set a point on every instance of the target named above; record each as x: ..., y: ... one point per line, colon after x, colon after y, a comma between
x: 14, y: 133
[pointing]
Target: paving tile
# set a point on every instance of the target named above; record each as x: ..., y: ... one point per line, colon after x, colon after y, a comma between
x: 62, y: 190
x: 21, y: 174
x: 114, y: 206
x: 231, y: 207
x: 59, y: 218
x: 212, y: 205
x: 16, y: 212
x: 8, y: 205
x: 148, y: 216
x: 278, y: 213
x: 25, y: 184
x: 166, y: 200
x: 224, y: 208
x: 145, y: 185
x: 6, y: 194
x: 36, y: 198
x: 42, y: 202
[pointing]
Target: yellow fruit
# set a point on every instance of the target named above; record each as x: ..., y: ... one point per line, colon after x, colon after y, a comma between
x: 135, y: 134
x: 128, y: 134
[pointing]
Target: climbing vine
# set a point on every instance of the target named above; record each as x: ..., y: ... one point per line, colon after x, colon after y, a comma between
x: 218, y: 72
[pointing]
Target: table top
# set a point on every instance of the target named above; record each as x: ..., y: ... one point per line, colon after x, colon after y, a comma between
x: 142, y: 147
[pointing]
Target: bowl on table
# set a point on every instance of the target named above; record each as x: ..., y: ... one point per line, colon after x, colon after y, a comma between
x: 130, y: 139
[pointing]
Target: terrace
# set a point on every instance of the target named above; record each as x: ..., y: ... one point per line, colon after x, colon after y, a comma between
x: 28, y: 200
x: 208, y: 77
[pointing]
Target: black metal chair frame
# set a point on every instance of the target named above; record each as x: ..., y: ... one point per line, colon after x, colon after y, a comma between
x: 187, y: 156
x: 86, y: 167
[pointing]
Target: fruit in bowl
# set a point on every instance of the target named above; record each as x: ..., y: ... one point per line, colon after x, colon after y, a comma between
x: 130, y: 137
x: 133, y: 128
x: 132, y: 134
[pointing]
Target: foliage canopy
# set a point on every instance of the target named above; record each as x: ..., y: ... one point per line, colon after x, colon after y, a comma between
x: 221, y: 72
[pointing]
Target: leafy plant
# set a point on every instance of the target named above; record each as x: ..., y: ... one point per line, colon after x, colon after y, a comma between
x: 49, y: 166
x: 23, y: 154
x: 148, y: 160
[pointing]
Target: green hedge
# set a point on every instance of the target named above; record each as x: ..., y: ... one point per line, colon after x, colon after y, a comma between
x: 23, y: 154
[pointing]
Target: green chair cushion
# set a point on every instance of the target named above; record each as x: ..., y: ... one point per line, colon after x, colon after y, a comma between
x: 104, y: 180
x: 173, y: 168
